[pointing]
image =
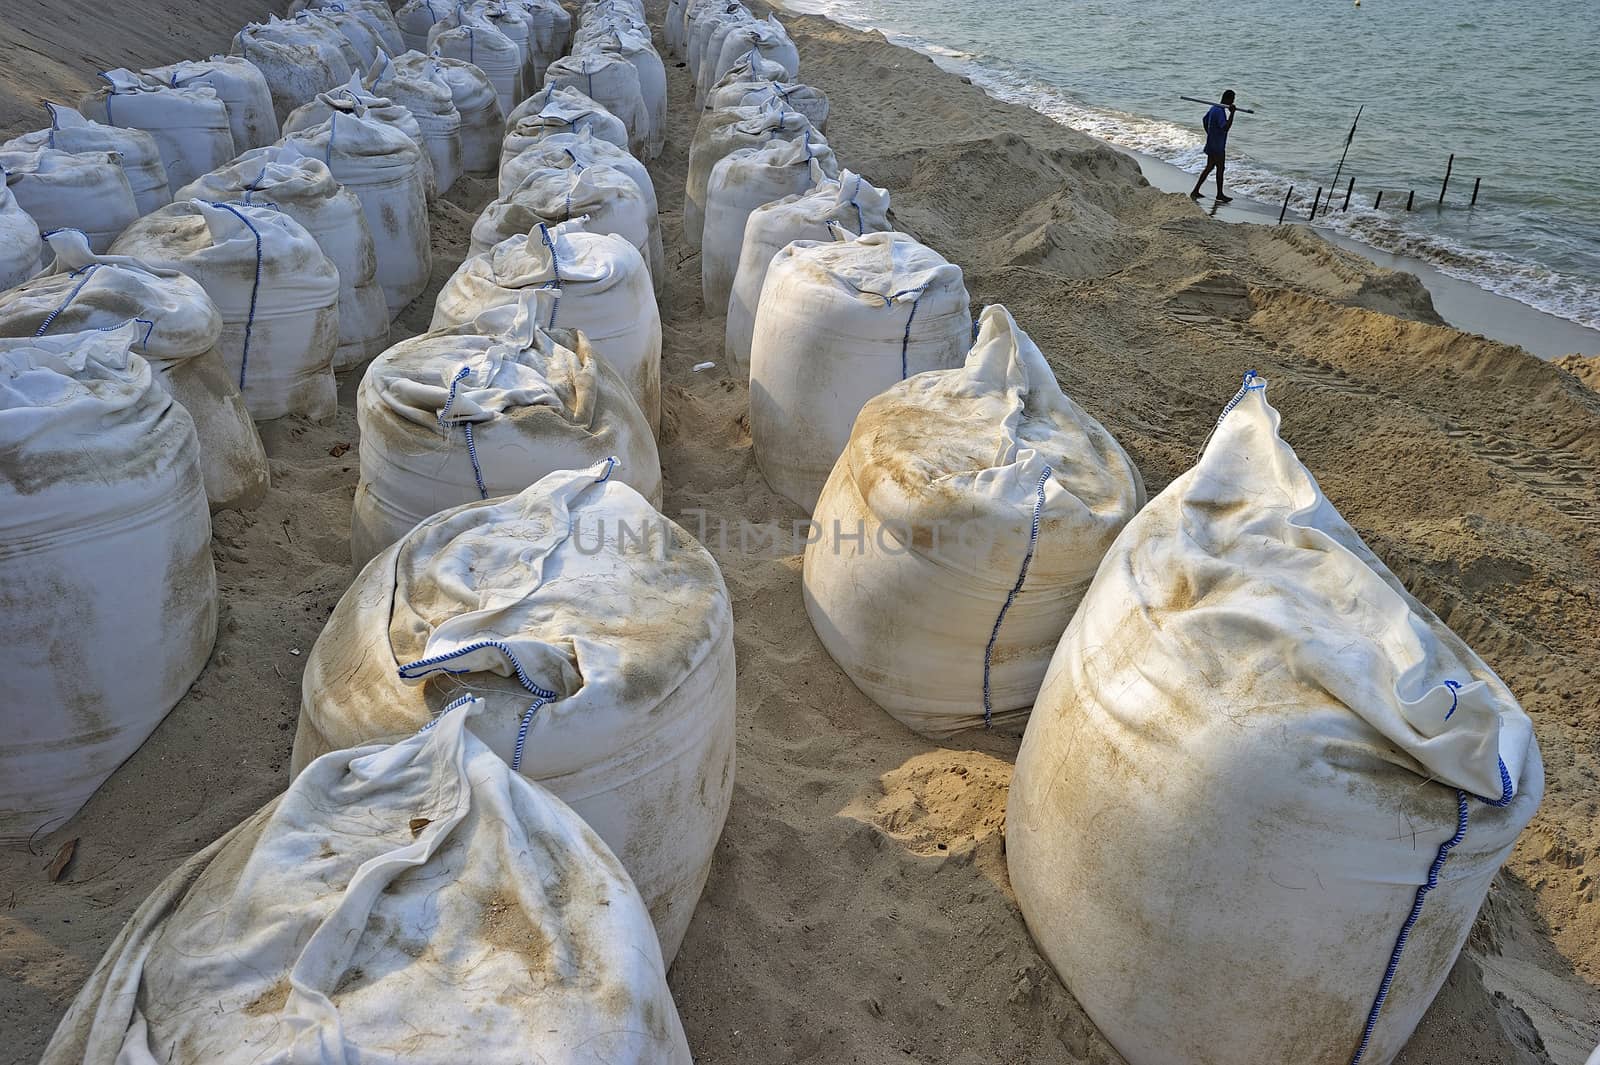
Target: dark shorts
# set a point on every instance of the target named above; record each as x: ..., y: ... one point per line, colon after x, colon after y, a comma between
x: 1215, y: 157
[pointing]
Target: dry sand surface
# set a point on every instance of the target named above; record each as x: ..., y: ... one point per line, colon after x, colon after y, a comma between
x: 859, y: 910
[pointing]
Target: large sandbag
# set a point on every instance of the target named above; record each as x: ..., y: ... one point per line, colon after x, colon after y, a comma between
x: 707, y: 37
x: 600, y: 635
x: 719, y: 135
x: 557, y: 110
x: 134, y: 150
x: 416, y: 18
x: 767, y: 39
x: 848, y: 203
x: 606, y: 199
x: 605, y: 294
x: 703, y: 19
x: 984, y: 499
x: 298, y: 61
x: 428, y: 99
x: 613, y: 83
x: 741, y: 182
x: 353, y: 100
x: 388, y: 174
x: 360, y: 28
x: 482, y: 121
x: 242, y: 88
x: 87, y: 291
x: 551, y: 23
x: 21, y: 250
x: 1256, y: 754
x: 740, y: 89
x: 110, y: 607
x: 635, y: 47
x: 303, y: 188
x: 417, y: 903
x: 190, y: 125
x: 475, y: 40
x: 514, y: 23
x: 486, y: 409
x: 375, y: 15
x: 86, y: 191
x: 278, y: 295
x: 837, y: 324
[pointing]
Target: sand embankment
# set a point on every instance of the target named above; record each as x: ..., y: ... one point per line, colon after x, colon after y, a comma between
x: 859, y: 909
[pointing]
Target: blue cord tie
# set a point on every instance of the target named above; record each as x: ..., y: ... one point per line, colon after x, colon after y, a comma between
x: 555, y: 268
x: 905, y: 341
x: 466, y: 430
x: 333, y: 128
x: 1455, y: 700
x: 50, y: 319
x: 255, y: 287
x: 1011, y: 596
x: 436, y: 664
x: 611, y: 464
x: 1251, y: 384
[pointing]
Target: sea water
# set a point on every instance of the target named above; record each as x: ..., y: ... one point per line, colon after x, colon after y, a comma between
x: 1512, y: 89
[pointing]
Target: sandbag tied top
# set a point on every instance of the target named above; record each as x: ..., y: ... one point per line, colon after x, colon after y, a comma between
x: 429, y: 101
x: 720, y: 134
x: 388, y: 174
x: 417, y: 17
x: 550, y: 23
x: 608, y: 200
x: 634, y: 46
x: 768, y: 39
x: 374, y: 16
x: 1256, y: 753
x: 848, y: 204
x: 86, y: 291
x: 986, y: 499
x: 105, y: 554
x: 21, y: 250
x: 512, y: 21
x: 706, y: 43
x: 303, y: 188
x: 473, y: 38
x: 189, y: 124
x: 554, y: 110
x: 605, y: 295
x: 87, y: 191
x: 298, y: 58
x: 613, y: 83
x: 134, y: 150
x: 837, y: 324
x: 278, y: 294
x: 486, y: 409
x: 796, y: 96
x: 600, y: 635
x: 482, y: 121
x: 354, y: 100
x: 741, y: 182
x: 360, y: 28
x: 242, y: 88
x: 337, y: 923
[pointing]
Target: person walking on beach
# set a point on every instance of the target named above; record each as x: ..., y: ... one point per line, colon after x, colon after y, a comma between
x: 1217, y: 122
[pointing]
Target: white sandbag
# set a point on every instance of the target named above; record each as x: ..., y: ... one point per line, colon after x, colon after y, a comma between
x: 552, y: 25
x: 719, y: 135
x: 486, y: 409
x: 105, y: 555
x: 278, y: 294
x: 21, y: 250
x: 608, y: 201
x: 605, y: 295
x: 848, y: 203
x: 480, y: 44
x: 71, y: 190
x: 353, y: 100
x: 752, y: 68
x: 793, y: 95
x: 363, y: 32
x: 741, y: 182
x: 134, y: 150
x: 87, y: 291
x: 635, y: 47
x: 388, y: 174
x: 710, y: 27
x: 190, y: 125
x: 767, y: 39
x: 374, y: 14
x: 241, y: 87
x: 556, y: 110
x: 837, y: 324
x: 672, y: 27
x: 304, y: 189
x: 404, y: 904
x: 482, y: 121
x: 429, y: 101
x: 297, y: 60
x: 1256, y: 755
x: 985, y: 499
x: 513, y: 22
x: 710, y: 69
x: 417, y: 17
x: 613, y: 83
x: 600, y: 635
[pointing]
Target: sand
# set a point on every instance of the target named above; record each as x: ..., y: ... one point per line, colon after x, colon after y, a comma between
x: 859, y: 910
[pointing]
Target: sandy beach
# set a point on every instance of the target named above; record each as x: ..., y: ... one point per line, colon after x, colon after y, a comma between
x: 859, y: 910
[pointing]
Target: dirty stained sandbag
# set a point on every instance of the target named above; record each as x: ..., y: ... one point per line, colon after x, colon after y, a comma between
x: 985, y: 499
x: 241, y: 87
x: 189, y: 125
x: 793, y: 95
x: 297, y: 61
x: 360, y: 28
x: 277, y: 292
x: 608, y: 201
x: 304, y: 189
x: 417, y: 17
x: 388, y: 174
x: 613, y: 83
x: 182, y: 328
x: 353, y: 100
x: 719, y: 135
x: 87, y: 191
x: 482, y: 121
x: 768, y: 39
x: 411, y: 903
x: 848, y: 203
x: 374, y: 14
x: 599, y: 633
x: 21, y: 250
x: 838, y: 323
x: 513, y: 22
x: 635, y: 47
x: 1247, y: 687
x: 741, y: 182
x: 429, y: 101
x: 105, y: 554
x: 134, y: 150
x: 475, y: 40
x: 483, y: 410
x: 551, y: 26
x: 710, y: 28
x: 605, y: 292
x: 558, y: 110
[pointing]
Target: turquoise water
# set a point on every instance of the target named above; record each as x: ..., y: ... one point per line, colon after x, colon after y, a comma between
x: 1512, y: 89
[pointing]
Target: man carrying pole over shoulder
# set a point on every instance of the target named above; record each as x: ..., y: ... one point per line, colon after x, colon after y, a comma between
x: 1217, y: 122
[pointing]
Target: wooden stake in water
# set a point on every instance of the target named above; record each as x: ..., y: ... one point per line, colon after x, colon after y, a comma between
x: 1411, y: 198
x: 1347, y: 194
x: 1476, y: 182
x: 1451, y: 165
x: 1377, y: 203
x: 1314, y: 201
x: 1285, y: 205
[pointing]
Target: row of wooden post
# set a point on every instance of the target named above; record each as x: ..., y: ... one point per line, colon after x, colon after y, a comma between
x: 1411, y: 196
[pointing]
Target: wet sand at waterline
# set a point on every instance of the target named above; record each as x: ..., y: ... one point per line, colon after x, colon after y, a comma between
x: 858, y: 909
